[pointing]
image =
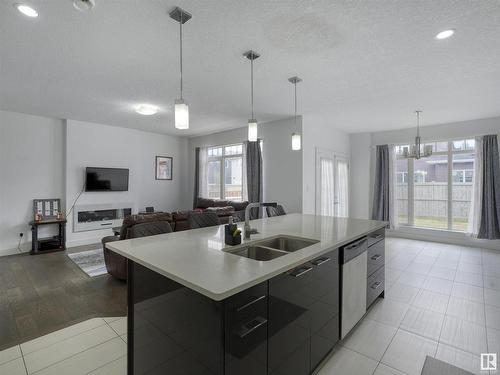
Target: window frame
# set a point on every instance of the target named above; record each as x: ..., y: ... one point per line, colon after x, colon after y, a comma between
x: 222, y: 158
x: 411, y: 181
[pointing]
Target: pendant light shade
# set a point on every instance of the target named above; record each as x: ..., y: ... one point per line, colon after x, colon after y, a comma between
x: 181, y: 114
x: 252, y: 123
x: 181, y: 108
x: 296, y: 137
x: 252, y: 130
x: 296, y: 142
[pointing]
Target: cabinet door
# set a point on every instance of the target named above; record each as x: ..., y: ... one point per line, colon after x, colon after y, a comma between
x: 246, y: 332
x: 324, y: 312
x: 289, y: 328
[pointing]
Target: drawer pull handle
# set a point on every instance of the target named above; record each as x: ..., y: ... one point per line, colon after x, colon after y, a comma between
x: 250, y: 303
x: 300, y: 271
x: 251, y: 326
x: 377, y: 236
x: 376, y: 285
x: 356, y: 244
x: 320, y: 261
x: 376, y: 256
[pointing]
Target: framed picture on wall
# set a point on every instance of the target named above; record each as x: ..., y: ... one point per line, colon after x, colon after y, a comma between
x: 164, y: 166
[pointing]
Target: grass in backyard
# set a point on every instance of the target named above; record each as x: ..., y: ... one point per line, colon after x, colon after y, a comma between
x: 459, y: 225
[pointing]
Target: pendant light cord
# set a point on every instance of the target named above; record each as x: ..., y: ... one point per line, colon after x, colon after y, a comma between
x: 251, y: 88
x: 295, y: 86
x: 180, y: 44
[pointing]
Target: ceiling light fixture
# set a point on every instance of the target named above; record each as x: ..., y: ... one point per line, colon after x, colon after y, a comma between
x: 146, y: 109
x: 181, y: 108
x: 252, y: 122
x: 83, y: 5
x: 26, y: 10
x: 415, y: 151
x: 445, y: 34
x: 296, y: 137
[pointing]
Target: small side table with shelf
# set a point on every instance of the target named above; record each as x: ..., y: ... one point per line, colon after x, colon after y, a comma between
x: 48, y: 244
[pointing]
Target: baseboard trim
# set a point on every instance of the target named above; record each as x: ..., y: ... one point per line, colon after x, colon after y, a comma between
x: 442, y: 236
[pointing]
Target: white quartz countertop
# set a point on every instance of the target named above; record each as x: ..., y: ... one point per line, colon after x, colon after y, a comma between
x: 197, y: 258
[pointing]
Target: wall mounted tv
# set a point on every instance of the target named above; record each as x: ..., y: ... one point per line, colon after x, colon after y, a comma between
x: 106, y: 179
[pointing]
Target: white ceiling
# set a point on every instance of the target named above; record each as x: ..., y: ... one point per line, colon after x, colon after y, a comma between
x: 366, y: 64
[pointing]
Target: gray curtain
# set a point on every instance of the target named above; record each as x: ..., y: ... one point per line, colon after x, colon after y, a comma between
x: 196, y: 177
x: 254, y: 174
x: 489, y: 225
x: 380, y: 208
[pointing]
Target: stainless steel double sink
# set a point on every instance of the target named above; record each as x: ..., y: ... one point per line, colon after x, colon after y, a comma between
x: 271, y: 248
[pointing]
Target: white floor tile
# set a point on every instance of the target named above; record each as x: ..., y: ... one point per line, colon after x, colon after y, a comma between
x: 49, y: 355
x: 386, y: 370
x: 464, y: 335
x: 117, y: 367
x: 119, y: 326
x: 492, y: 297
x: 112, y: 318
x: 466, y: 310
x: 407, y: 352
x: 445, y: 262
x: 388, y: 312
x: 442, y: 272
x: 88, y: 360
x: 14, y: 367
x: 124, y: 337
x: 492, y: 282
x: 469, y: 278
x: 437, y: 285
x: 411, y: 279
x: 9, y: 354
x: 491, y: 270
x: 492, y: 316
x: 346, y: 361
x: 469, y: 267
x: 423, y: 322
x: 459, y: 358
x: 401, y: 292
x: 62, y: 334
x: 469, y: 292
x: 370, y: 338
x: 493, y: 340
x: 431, y: 301
x: 425, y: 259
x: 420, y: 268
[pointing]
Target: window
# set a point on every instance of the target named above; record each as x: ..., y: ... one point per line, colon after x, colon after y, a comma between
x: 440, y: 193
x: 225, y: 172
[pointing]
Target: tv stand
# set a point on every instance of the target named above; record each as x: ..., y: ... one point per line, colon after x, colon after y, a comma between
x: 49, y: 244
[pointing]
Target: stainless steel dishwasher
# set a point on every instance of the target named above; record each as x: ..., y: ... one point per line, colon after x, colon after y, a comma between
x: 353, y: 258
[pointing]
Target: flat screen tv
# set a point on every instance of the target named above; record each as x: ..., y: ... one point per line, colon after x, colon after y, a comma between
x: 106, y: 179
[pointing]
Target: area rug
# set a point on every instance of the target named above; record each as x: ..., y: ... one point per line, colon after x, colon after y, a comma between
x: 91, y: 262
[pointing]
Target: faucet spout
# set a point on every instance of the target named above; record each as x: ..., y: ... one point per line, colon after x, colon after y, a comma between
x: 248, y: 229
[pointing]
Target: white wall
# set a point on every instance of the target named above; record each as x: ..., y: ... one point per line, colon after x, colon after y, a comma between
x: 318, y: 132
x: 364, y: 154
x: 99, y: 145
x: 282, y: 172
x: 31, y: 166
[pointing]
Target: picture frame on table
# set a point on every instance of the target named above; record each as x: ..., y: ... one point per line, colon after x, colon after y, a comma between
x: 164, y: 168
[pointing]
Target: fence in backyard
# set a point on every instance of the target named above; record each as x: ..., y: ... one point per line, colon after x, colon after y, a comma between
x: 431, y: 199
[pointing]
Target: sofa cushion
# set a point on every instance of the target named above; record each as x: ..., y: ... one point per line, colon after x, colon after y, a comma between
x: 132, y: 220
x: 238, y: 206
x: 204, y: 203
x: 221, y: 211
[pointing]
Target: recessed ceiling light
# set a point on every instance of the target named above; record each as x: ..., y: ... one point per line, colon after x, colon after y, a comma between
x: 26, y: 10
x: 146, y: 109
x: 84, y: 5
x: 445, y: 34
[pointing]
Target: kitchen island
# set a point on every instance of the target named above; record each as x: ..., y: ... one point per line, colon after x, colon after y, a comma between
x: 198, y: 306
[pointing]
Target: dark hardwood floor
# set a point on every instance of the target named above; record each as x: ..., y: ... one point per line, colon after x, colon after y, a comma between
x: 42, y: 293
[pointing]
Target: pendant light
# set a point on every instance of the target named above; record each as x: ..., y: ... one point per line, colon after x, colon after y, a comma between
x: 181, y: 108
x: 252, y: 123
x: 296, y: 137
x: 415, y: 151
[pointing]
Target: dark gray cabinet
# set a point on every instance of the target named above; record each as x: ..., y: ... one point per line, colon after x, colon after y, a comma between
x: 303, y: 315
x: 375, y: 282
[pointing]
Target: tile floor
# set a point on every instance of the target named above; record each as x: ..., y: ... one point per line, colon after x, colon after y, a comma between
x: 441, y: 300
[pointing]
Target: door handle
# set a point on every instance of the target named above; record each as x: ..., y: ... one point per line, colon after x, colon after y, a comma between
x: 250, y: 303
x: 300, y: 271
x: 251, y: 326
x: 320, y: 261
x: 376, y: 285
x: 376, y: 256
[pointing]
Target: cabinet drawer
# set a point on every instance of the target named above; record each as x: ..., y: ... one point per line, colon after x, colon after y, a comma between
x: 375, y: 286
x: 376, y: 257
x: 247, y: 304
x: 376, y: 236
